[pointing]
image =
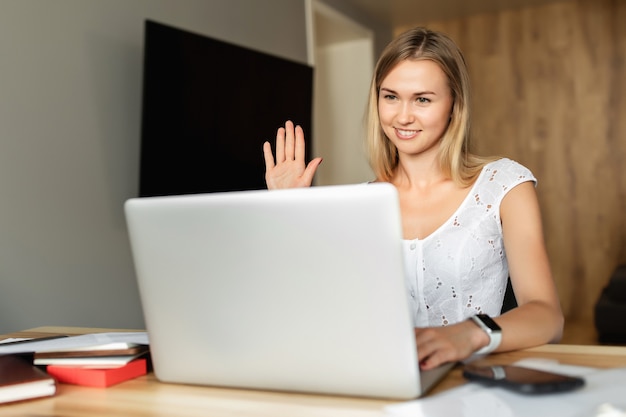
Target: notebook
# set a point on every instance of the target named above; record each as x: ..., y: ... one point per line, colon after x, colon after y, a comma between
x: 290, y: 290
x: 20, y: 380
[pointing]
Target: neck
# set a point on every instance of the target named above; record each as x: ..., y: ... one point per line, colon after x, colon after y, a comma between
x: 418, y: 173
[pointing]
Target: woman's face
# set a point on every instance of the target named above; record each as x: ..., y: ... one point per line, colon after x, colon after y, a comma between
x: 414, y: 106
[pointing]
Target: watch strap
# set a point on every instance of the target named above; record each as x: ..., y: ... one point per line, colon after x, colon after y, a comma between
x: 493, y: 331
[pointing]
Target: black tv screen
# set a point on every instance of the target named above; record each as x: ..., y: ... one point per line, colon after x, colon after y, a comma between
x: 207, y: 108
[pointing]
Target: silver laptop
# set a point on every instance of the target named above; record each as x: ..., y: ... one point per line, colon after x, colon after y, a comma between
x: 291, y: 290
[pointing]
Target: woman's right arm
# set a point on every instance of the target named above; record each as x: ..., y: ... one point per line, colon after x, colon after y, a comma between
x: 288, y: 169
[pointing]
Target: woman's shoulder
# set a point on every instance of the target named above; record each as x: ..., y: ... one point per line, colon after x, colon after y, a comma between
x: 508, y: 168
x: 500, y: 176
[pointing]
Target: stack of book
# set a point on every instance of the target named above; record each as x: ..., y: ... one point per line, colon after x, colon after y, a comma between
x: 96, y: 366
x: 93, y: 359
x: 20, y: 380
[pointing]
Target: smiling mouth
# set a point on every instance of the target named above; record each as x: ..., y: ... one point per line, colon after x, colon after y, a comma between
x: 406, y: 133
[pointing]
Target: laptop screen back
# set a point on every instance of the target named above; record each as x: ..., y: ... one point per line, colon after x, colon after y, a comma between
x: 298, y: 290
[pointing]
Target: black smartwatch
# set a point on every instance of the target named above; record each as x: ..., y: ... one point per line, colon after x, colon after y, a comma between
x: 489, y: 326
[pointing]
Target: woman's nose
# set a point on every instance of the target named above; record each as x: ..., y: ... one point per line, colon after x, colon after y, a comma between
x: 406, y: 116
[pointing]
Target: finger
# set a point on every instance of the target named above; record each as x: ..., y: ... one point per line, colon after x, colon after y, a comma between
x: 300, y: 144
x: 427, y: 355
x: 280, y: 145
x: 425, y: 342
x: 439, y: 357
x: 289, y: 140
x: 267, y: 154
x: 431, y: 362
x: 310, y: 170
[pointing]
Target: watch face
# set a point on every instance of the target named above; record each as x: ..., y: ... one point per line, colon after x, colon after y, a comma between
x: 488, y: 321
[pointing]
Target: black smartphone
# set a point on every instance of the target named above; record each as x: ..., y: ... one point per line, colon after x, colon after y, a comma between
x: 523, y: 380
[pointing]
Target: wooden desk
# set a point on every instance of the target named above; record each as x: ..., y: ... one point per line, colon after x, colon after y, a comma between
x: 145, y: 396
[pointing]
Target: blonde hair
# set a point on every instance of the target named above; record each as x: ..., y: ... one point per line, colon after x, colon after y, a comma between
x: 455, y: 158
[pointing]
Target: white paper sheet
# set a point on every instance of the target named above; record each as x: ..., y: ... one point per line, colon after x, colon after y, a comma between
x: 91, y: 339
x: 604, y: 395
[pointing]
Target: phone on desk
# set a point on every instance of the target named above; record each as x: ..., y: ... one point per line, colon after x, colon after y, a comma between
x: 523, y: 380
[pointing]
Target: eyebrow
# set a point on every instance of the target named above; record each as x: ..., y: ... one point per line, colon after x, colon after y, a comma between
x: 420, y: 93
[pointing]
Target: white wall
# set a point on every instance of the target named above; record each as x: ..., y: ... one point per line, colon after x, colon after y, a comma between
x: 70, y: 106
x: 339, y: 128
x: 383, y: 31
x: 344, y: 65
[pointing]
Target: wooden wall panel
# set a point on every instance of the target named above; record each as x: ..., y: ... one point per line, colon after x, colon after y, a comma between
x: 550, y: 92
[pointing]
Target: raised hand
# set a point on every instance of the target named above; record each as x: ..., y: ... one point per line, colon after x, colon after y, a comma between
x: 288, y: 170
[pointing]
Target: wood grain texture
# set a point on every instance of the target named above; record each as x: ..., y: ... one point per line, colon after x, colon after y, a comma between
x: 549, y: 86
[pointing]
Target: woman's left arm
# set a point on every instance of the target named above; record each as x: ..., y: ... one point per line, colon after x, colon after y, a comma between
x: 538, y: 319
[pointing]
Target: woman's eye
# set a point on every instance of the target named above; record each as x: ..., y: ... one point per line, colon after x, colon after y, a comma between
x: 423, y: 100
x: 389, y: 97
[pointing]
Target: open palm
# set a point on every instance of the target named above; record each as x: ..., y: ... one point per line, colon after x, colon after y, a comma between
x: 288, y: 169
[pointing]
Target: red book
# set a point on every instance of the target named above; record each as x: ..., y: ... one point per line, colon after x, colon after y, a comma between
x: 101, y: 378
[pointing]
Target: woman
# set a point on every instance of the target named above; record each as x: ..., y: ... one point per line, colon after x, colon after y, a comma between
x: 468, y: 222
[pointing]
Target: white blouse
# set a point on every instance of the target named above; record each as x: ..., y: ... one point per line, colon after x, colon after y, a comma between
x: 461, y: 269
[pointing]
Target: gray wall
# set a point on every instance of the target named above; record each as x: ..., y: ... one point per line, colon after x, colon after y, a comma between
x: 70, y: 105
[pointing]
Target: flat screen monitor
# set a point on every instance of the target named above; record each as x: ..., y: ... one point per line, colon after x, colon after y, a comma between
x: 207, y: 108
